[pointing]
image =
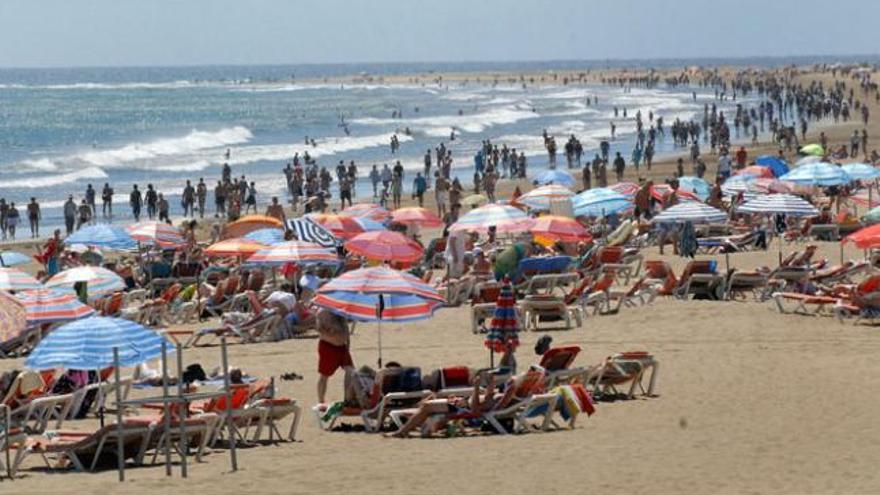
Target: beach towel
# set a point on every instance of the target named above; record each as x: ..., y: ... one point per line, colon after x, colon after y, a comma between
x: 573, y: 400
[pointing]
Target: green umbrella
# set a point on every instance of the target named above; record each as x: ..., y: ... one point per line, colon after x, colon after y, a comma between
x: 813, y: 149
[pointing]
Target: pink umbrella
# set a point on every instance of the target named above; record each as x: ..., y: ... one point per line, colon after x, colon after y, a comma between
x: 416, y: 215
x: 385, y: 245
x: 757, y: 171
x: 368, y: 210
x: 163, y: 235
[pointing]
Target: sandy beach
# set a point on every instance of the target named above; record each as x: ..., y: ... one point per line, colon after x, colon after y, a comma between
x: 749, y: 400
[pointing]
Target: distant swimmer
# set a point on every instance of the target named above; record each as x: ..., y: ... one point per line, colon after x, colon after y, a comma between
x: 452, y: 135
x: 228, y: 153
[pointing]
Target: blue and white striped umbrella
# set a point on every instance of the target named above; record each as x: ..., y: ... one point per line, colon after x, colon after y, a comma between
x: 101, y: 281
x: 600, y: 201
x: 505, y: 218
x: 560, y: 177
x: 818, y: 174
x: 269, y: 237
x: 88, y: 344
x: 861, y: 171
x: 13, y: 258
x: 779, y: 203
x: 541, y: 197
x: 691, y: 211
x: 695, y: 185
x: 105, y: 236
x: 737, y: 184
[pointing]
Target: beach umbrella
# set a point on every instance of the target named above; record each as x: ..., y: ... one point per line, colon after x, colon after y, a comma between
x: 813, y: 149
x: 247, y: 224
x: 660, y: 191
x: 806, y: 160
x: 818, y: 174
x: 99, y: 281
x: 12, y: 279
x: 159, y: 233
x: 872, y: 217
x: 269, y: 236
x: 14, y: 258
x: 774, y: 163
x: 540, y: 197
x: 861, y: 171
x: 505, y: 218
x: 737, y: 184
x: 757, y: 171
x: 234, y: 247
x: 768, y: 186
x: 88, y: 344
x: 368, y: 210
x: 341, y: 226
x: 103, y: 236
x: 416, y: 215
x: 475, y: 200
x: 864, y: 197
x: 866, y: 238
x: 560, y: 229
x: 502, y: 336
x: 602, y: 201
x: 691, y: 212
x: 369, y: 225
x: 696, y: 186
x: 299, y: 252
x: 784, y: 204
x: 13, y: 318
x: 379, y: 294
x: 385, y: 245
x: 554, y: 176
x: 52, y: 305
x: 628, y: 189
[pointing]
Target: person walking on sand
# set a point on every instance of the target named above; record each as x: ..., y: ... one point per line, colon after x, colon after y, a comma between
x: 333, y: 349
x: 107, y: 201
x: 162, y: 205
x: 85, y: 214
x: 34, y: 216
x: 90, y: 200
x: 188, y: 200
x: 12, y: 218
x: 134, y: 200
x: 70, y: 214
x: 150, y: 197
x: 275, y: 210
x: 375, y: 178
x: 619, y: 166
x: 201, y: 196
x: 420, y: 186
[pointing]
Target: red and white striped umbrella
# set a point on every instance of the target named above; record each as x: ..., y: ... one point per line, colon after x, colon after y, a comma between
x: 13, y: 318
x: 367, y: 210
x: 15, y: 280
x: 100, y: 281
x: 293, y: 252
x: 159, y: 233
x: 52, y: 305
x: 505, y: 219
x: 385, y: 245
x: 416, y: 215
x: 341, y: 226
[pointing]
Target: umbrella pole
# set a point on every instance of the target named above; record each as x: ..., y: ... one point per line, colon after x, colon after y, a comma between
x: 6, y: 426
x: 841, y: 252
x: 165, y: 412
x: 380, y: 343
x: 229, y: 427
x: 184, y: 445
x: 120, y: 455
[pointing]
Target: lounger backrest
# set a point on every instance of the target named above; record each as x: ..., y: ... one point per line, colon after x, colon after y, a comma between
x: 559, y: 358
x: 578, y: 290
x: 455, y: 376
x: 610, y: 254
x: 254, y: 301
x: 528, y: 384
x: 113, y: 304
x: 657, y: 268
x: 171, y: 293
x: 240, y: 394
x: 870, y: 284
x: 232, y: 285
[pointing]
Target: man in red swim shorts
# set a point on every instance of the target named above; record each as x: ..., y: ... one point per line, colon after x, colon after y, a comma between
x: 332, y: 349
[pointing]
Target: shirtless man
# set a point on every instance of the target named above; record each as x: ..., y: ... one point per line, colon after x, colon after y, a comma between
x: 333, y: 350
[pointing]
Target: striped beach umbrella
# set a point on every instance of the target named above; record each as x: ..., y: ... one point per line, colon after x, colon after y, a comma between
x: 540, y: 197
x: 13, y: 318
x: 234, y: 247
x: 88, y: 344
x: 861, y: 171
x: 158, y: 233
x: 696, y: 186
x: 385, y: 245
x: 553, y: 176
x: 416, y: 215
x: 14, y: 258
x: 660, y: 191
x: 103, y: 236
x: 737, y: 184
x: 757, y: 171
x: 600, y: 201
x: 628, y: 189
x: 818, y: 174
x: 505, y: 218
x: 341, y: 226
x: 368, y: 210
x: 691, y: 211
x: 560, y: 229
x: 247, y: 224
x: 299, y: 252
x: 100, y: 282
x: 772, y: 204
x: 52, y: 305
x: 269, y: 236
x: 768, y: 186
x: 15, y: 280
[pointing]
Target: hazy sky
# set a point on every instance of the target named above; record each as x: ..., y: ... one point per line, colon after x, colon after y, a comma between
x: 40, y: 33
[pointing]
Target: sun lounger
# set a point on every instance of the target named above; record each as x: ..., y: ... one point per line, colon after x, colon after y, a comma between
x: 801, y: 301
x: 535, y: 308
x: 36, y: 414
x: 623, y: 368
x: 740, y: 284
x: 85, y: 450
x: 700, y: 280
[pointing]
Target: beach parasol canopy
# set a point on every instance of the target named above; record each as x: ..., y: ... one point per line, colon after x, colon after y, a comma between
x: 696, y: 186
x: 505, y: 218
x: 628, y: 189
x: 553, y: 176
x: 691, y: 211
x: 12, y: 279
x: 341, y: 226
x: 99, y: 281
x: 660, y: 191
x: 247, y: 224
x: 269, y: 236
x: 806, y: 160
x: 159, y: 233
x: 861, y: 171
x: 560, y: 229
x: 475, y: 200
x: 52, y: 305
x: 872, y: 217
x: 234, y: 247
x: 298, y: 252
x: 767, y: 186
x: 774, y: 163
x: 540, y: 197
x: 416, y: 215
x: 367, y: 210
x: 14, y: 258
x: 369, y: 225
x: 772, y: 204
x: 737, y: 184
x: 88, y: 344
x: 385, y: 245
x: 818, y: 174
x: 813, y: 149
x: 13, y: 318
x: 599, y: 202
x: 103, y: 236
x: 866, y: 238
x: 757, y: 171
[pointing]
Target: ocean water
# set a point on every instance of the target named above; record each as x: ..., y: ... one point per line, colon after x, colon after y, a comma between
x: 61, y: 129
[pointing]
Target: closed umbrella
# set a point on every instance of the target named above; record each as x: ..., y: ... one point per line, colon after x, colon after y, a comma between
x: 541, y: 197
x: 503, y: 333
x: 505, y: 218
x: 385, y: 246
x: 416, y: 215
x: 12, y: 279
x: 52, y: 305
x: 818, y: 174
x: 103, y: 236
x: 691, y: 212
x: 555, y: 177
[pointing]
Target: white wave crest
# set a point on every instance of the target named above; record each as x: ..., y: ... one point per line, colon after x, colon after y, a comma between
x: 56, y: 180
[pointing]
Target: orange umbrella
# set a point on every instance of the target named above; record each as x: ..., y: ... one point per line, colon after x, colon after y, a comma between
x: 247, y: 224
x: 560, y: 228
x: 234, y: 247
x: 385, y: 245
x: 416, y: 215
x: 341, y: 226
x: 866, y: 238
